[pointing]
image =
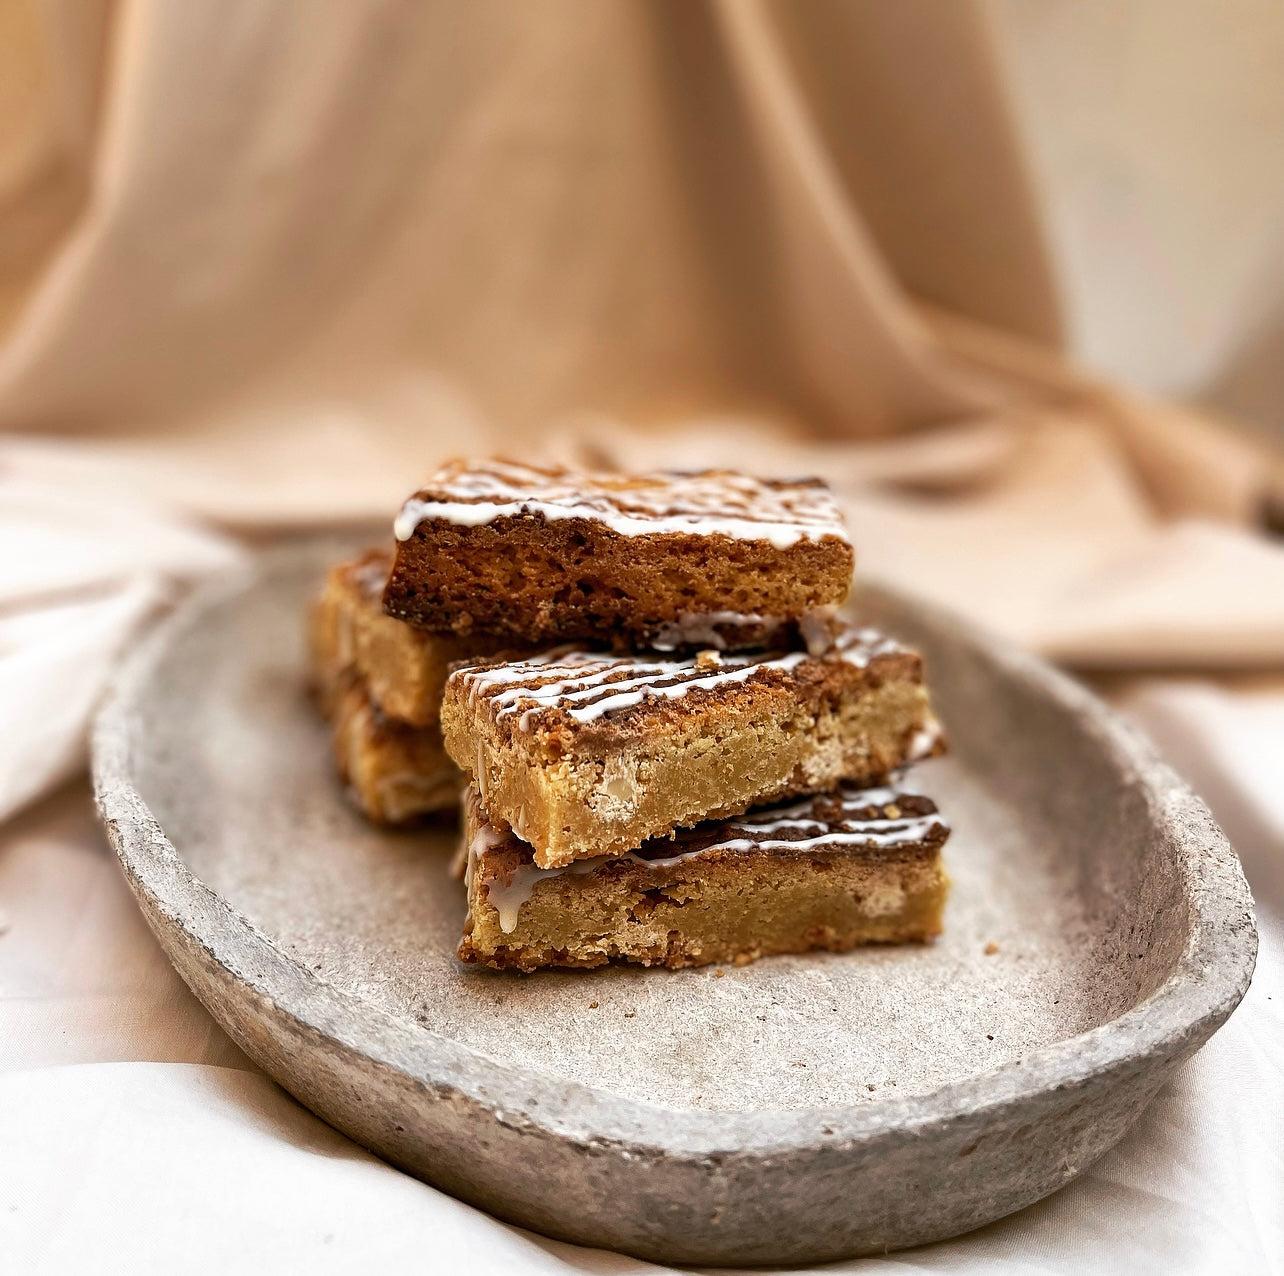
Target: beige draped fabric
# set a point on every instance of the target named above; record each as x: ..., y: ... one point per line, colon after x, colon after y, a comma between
x: 274, y: 260
x: 264, y: 262
x: 638, y: 208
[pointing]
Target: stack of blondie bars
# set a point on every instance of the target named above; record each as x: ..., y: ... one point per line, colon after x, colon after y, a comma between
x: 666, y: 746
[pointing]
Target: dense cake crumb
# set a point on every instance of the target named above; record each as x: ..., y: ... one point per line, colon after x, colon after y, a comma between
x: 712, y: 559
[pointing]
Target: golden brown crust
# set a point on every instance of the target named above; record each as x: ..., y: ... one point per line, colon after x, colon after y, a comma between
x: 815, y: 684
x: 506, y: 854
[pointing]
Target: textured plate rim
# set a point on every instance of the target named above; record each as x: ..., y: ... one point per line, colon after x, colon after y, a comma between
x: 1207, y: 983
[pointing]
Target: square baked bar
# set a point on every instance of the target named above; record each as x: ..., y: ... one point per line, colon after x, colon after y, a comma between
x: 402, y: 668
x: 586, y: 754
x: 710, y: 559
x: 831, y: 872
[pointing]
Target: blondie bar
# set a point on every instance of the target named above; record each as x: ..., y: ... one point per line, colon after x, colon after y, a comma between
x: 709, y: 559
x: 585, y: 754
x: 831, y: 872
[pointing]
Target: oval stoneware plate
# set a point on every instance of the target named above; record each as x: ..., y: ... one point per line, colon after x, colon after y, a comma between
x: 795, y: 1110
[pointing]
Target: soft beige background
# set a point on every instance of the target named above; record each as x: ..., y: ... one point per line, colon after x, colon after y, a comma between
x: 263, y: 263
x: 1156, y: 129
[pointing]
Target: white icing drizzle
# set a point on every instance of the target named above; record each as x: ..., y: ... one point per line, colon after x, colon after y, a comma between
x: 818, y: 627
x: 708, y: 503
x: 585, y: 684
x: 702, y: 627
x: 887, y: 828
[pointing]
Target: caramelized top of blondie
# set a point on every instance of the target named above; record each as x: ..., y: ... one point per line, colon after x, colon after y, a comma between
x: 586, y: 685
x: 697, y: 503
x: 888, y: 818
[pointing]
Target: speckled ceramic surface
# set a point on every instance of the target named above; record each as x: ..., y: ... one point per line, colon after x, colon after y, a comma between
x: 799, y: 1109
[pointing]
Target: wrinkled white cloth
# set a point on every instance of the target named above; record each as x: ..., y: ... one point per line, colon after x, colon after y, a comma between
x: 136, y: 1137
x: 79, y: 575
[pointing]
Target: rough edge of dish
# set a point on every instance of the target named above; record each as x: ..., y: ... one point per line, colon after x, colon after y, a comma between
x: 292, y: 1012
